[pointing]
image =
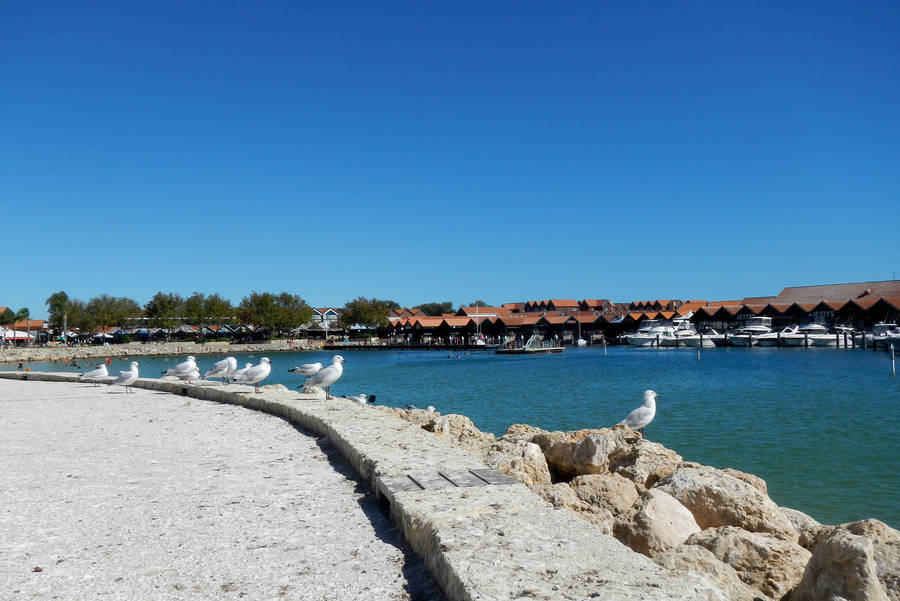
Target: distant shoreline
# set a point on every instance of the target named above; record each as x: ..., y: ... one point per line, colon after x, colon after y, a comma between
x: 139, y: 349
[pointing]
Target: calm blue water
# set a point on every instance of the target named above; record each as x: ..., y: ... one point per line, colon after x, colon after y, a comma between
x: 819, y: 425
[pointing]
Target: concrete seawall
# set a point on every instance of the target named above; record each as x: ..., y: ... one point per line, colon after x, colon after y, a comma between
x: 481, y: 534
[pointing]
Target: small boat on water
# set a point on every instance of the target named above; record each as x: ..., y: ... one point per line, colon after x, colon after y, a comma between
x: 841, y: 337
x: 804, y: 335
x: 883, y: 335
x: 642, y: 336
x: 708, y: 339
x: 534, y: 346
x: 748, y: 335
x: 775, y: 338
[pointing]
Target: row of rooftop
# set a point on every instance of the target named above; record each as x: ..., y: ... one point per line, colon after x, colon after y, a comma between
x: 862, y: 302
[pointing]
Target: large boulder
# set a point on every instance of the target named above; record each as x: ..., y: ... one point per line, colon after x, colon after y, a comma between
x: 461, y: 432
x: 659, y: 524
x: 885, y: 543
x: 807, y: 528
x: 771, y: 565
x: 581, y: 452
x: 609, y: 491
x: 561, y: 496
x: 698, y: 564
x: 643, y: 462
x: 843, y: 567
x: 522, y: 432
x: 522, y: 460
x: 718, y: 499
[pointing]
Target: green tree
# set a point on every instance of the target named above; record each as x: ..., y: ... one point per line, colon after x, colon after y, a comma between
x: 274, y: 313
x: 436, y: 309
x: 78, y: 316
x: 106, y: 310
x: 57, y: 306
x: 371, y: 313
x: 24, y: 314
x: 164, y: 310
x: 7, y: 318
x: 218, y: 310
x: 478, y: 303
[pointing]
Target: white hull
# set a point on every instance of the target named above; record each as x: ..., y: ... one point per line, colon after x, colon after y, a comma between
x: 641, y: 340
x: 743, y: 340
x: 694, y: 342
x: 794, y: 340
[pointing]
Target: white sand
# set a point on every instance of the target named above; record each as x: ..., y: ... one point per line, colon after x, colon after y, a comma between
x: 154, y: 496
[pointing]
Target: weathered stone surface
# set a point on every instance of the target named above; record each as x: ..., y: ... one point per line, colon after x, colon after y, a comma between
x: 885, y: 550
x: 561, y: 496
x: 660, y: 523
x: 717, y: 499
x: 807, y: 528
x: 754, y: 481
x: 521, y: 432
x: 843, y: 567
x: 643, y: 462
x: 771, y: 565
x: 697, y: 562
x: 461, y: 432
x: 522, y: 460
x: 609, y: 491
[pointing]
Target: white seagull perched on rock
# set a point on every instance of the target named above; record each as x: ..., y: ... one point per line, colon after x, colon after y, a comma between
x: 222, y: 369
x: 638, y: 419
x: 255, y: 374
x: 127, y: 378
x: 324, y: 378
x: 183, y: 369
x: 95, y: 376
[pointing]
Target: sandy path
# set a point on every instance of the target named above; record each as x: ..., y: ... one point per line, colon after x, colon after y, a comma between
x: 154, y: 496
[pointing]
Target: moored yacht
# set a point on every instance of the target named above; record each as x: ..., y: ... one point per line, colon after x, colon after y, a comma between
x: 709, y: 339
x: 775, y: 338
x: 804, y: 335
x: 749, y: 333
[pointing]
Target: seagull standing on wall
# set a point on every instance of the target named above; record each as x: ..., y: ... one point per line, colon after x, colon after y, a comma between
x: 127, y: 378
x: 256, y: 374
x: 222, y: 369
x: 182, y: 370
x: 95, y: 376
x: 638, y: 419
x: 307, y: 369
x: 324, y: 378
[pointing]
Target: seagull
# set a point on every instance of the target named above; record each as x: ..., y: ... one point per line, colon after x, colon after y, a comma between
x: 360, y: 399
x: 638, y: 419
x: 240, y: 372
x: 96, y: 376
x: 324, y: 378
x: 255, y: 374
x: 222, y: 369
x: 182, y: 369
x: 127, y: 378
x: 187, y: 376
x: 307, y: 369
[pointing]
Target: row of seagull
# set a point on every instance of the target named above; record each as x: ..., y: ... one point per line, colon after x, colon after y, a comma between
x: 316, y: 376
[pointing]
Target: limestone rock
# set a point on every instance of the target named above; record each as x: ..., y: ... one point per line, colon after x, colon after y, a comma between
x: 754, y: 481
x: 522, y: 460
x: 660, y: 523
x: 808, y: 528
x: 521, y: 432
x: 771, y: 565
x: 885, y: 550
x: 562, y: 496
x: 609, y: 491
x: 643, y: 462
x: 461, y: 432
x: 693, y: 562
x: 717, y: 499
x: 843, y: 567
x: 571, y: 454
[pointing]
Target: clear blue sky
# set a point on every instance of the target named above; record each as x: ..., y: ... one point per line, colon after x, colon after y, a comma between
x: 447, y: 151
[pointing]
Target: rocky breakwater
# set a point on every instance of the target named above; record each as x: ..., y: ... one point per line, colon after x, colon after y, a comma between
x: 149, y: 349
x: 692, y: 519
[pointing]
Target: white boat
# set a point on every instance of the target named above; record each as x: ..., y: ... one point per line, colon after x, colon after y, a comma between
x: 749, y: 333
x: 709, y: 339
x: 803, y: 335
x: 681, y: 328
x: 774, y: 338
x: 842, y: 337
x: 641, y: 336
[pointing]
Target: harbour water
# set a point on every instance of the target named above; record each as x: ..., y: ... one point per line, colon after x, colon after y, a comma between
x: 821, y: 426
